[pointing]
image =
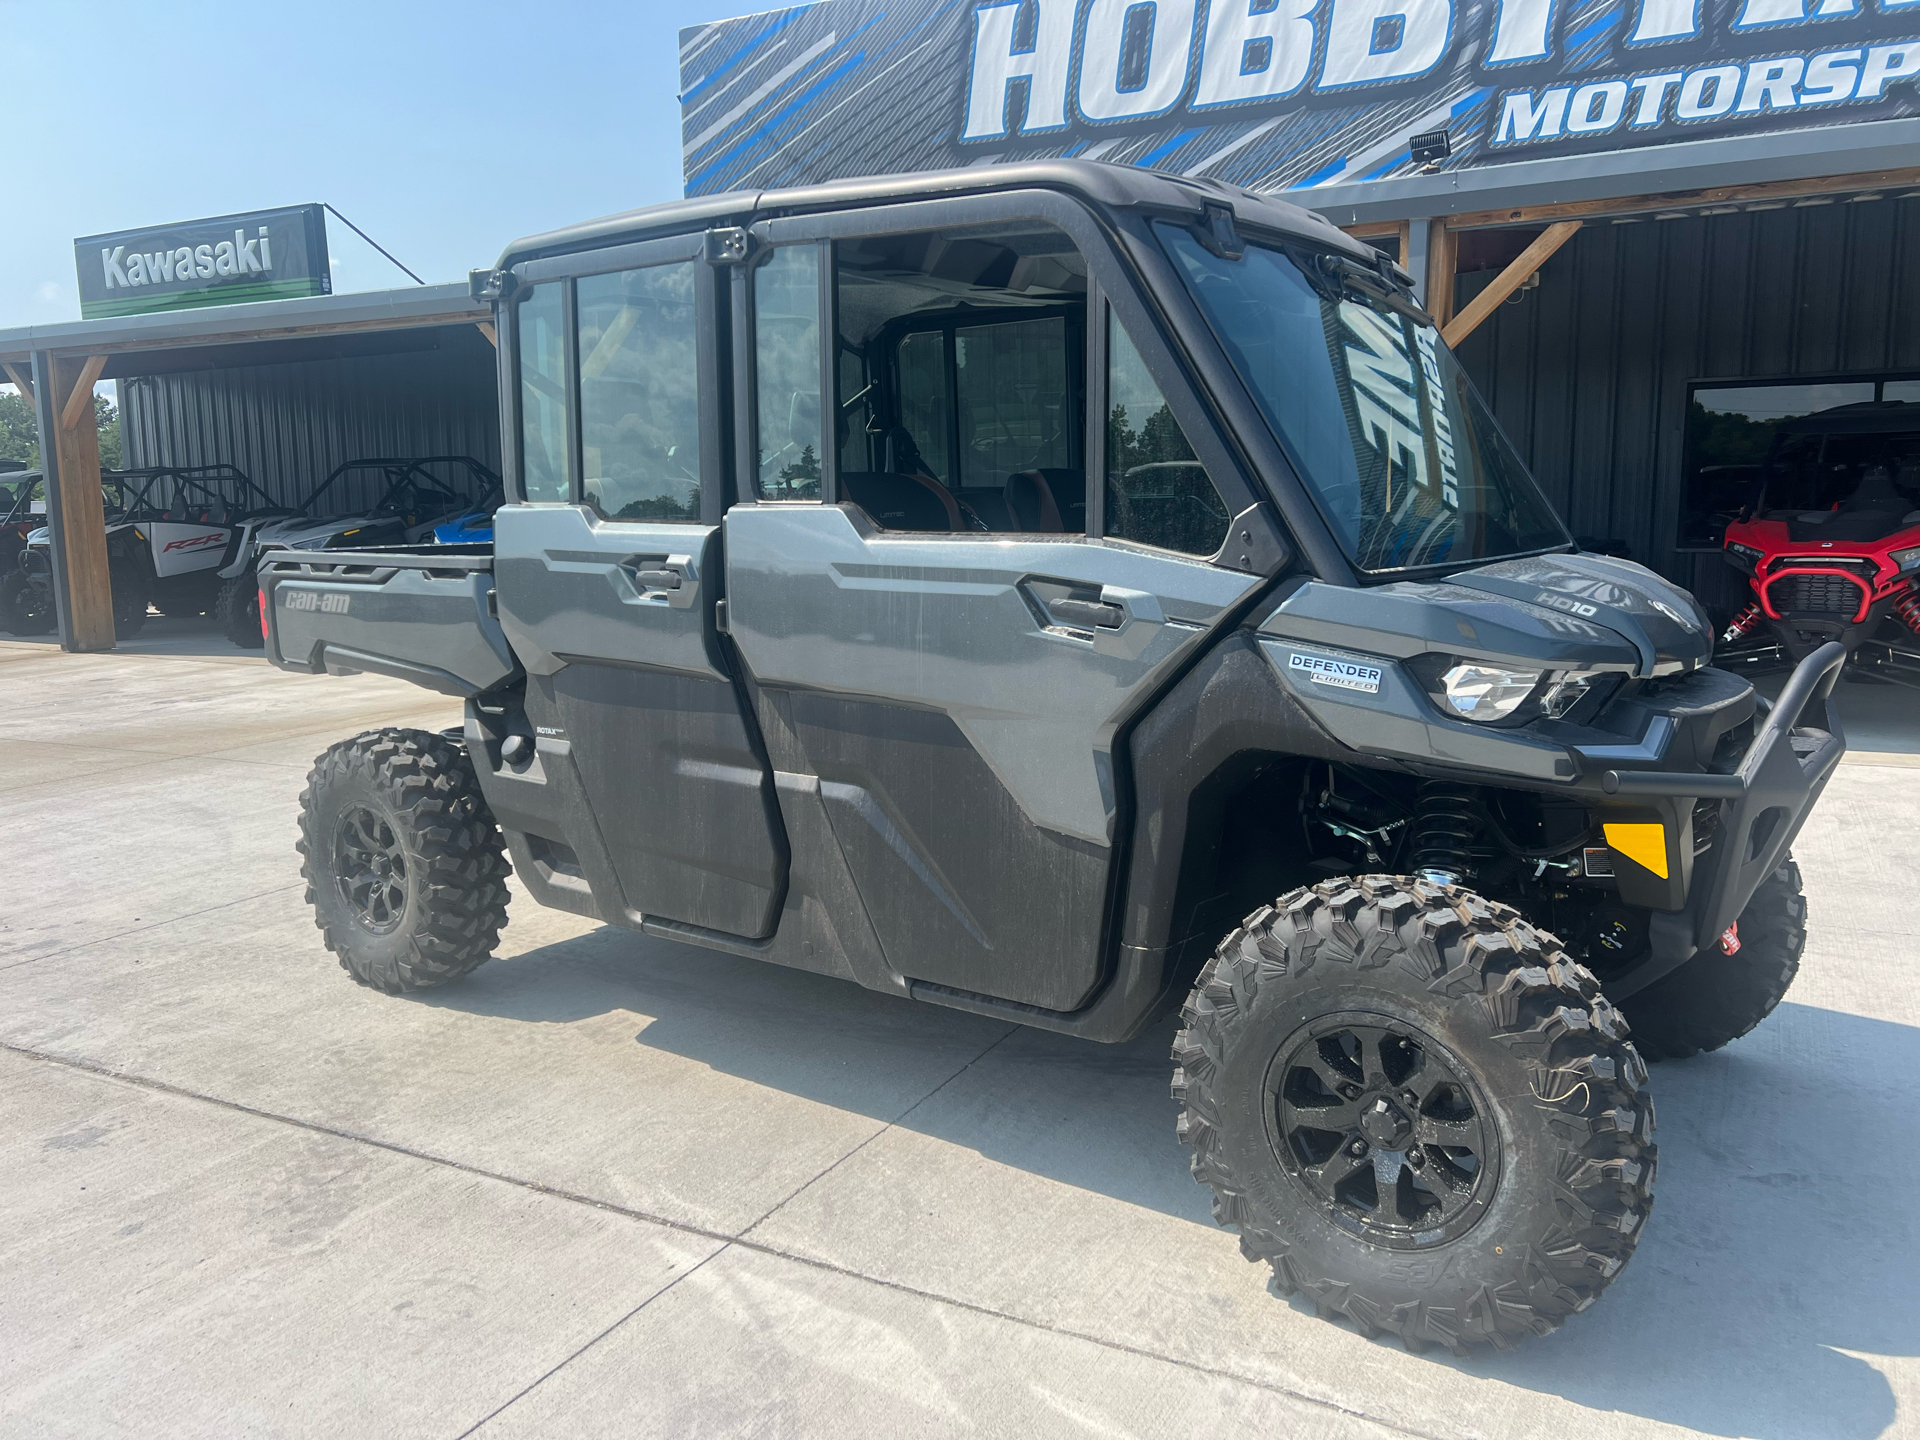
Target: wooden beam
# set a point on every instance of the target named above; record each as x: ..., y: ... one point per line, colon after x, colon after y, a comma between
x: 1686, y: 199
x: 1508, y: 281
x: 1443, y: 258
x: 82, y: 529
x: 1402, y: 230
x: 485, y: 327
x: 20, y: 382
x: 80, y: 402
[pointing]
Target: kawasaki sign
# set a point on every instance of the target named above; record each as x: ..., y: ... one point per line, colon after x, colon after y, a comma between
x: 1276, y: 94
x: 261, y: 255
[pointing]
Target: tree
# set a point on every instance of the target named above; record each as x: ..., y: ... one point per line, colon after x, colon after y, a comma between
x: 107, y: 419
x: 19, y: 436
x: 20, y: 432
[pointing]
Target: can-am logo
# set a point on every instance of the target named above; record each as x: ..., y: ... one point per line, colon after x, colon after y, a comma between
x: 238, y: 256
x: 334, y: 604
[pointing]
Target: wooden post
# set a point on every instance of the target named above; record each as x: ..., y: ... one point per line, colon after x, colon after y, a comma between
x: 1443, y: 258
x: 76, y: 516
x: 1508, y: 281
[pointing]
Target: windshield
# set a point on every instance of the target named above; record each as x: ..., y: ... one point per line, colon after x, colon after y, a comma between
x: 1813, y: 471
x: 1401, y: 454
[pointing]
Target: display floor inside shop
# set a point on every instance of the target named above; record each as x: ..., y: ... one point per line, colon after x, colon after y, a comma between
x: 610, y: 1184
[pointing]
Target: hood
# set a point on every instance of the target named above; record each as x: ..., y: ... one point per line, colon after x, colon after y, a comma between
x: 294, y: 529
x: 1555, y: 611
x: 1662, y: 621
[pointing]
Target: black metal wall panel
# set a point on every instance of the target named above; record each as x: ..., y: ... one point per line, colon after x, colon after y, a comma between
x: 1589, y: 372
x: 288, y: 425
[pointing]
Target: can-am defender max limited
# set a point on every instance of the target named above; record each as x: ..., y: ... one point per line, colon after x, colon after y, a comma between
x: 1831, y: 542
x: 804, y: 636
x: 364, y: 502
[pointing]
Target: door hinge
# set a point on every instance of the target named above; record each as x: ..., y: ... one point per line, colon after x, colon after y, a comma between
x: 726, y: 245
x: 720, y: 617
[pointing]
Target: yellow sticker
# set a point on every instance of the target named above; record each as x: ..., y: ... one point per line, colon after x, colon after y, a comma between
x: 1645, y: 845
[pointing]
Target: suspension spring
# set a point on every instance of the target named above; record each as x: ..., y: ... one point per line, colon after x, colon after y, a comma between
x: 1907, y: 605
x: 1743, y: 625
x: 1445, y: 825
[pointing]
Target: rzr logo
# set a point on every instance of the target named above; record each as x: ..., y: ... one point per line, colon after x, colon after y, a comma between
x: 1561, y: 602
x: 195, y: 542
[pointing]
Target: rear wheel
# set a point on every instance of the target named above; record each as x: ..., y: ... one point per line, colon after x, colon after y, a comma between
x: 24, y: 608
x: 404, y: 864
x: 1420, y: 1112
x: 237, y: 609
x: 1732, y: 985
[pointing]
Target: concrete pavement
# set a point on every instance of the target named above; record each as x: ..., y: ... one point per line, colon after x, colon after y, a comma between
x: 614, y: 1185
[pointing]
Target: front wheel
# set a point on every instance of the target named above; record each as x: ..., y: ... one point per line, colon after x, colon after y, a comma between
x: 129, y: 601
x: 1732, y: 985
x: 1419, y: 1111
x: 404, y: 864
x: 237, y: 609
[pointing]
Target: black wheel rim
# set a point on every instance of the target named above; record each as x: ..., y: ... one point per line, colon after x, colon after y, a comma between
x: 1384, y: 1128
x: 371, y: 866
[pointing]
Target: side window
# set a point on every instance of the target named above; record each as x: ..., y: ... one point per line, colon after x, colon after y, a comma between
x: 786, y: 344
x: 1157, y: 492
x: 925, y: 400
x: 543, y: 396
x: 961, y: 403
x: 639, y: 394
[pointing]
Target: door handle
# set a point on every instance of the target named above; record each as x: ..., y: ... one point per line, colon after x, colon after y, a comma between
x: 652, y: 572
x: 1097, y: 613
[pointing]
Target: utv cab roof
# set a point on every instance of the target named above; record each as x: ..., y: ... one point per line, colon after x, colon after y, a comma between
x: 1107, y: 186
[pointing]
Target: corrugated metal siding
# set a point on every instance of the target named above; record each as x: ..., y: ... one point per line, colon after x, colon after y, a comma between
x: 1589, y: 372
x: 288, y: 425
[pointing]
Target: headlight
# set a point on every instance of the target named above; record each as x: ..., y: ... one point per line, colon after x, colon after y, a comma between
x: 1479, y: 692
x: 1906, y: 558
x: 1488, y: 694
x: 318, y: 542
x: 1745, y: 554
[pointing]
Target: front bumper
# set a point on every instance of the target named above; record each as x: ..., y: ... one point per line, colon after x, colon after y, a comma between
x: 1763, y: 804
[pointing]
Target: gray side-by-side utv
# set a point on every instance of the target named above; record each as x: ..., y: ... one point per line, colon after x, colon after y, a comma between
x: 1064, y: 592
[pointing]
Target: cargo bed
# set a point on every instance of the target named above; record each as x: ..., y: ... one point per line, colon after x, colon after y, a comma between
x: 422, y: 613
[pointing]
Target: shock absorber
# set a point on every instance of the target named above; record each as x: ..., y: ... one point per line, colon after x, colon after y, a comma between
x: 1446, y: 822
x: 1744, y: 624
x: 1907, y: 605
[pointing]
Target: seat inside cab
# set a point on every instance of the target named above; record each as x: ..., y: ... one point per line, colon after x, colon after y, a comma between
x: 960, y: 387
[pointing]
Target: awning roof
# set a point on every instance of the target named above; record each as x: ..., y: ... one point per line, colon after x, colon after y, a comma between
x: 138, y: 344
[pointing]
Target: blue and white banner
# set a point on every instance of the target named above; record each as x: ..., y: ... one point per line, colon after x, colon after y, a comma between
x: 1272, y: 94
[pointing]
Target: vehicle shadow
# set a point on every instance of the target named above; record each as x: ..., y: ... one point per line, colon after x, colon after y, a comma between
x: 1783, y: 1235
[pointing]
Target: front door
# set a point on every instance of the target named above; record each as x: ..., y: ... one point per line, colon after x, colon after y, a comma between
x: 944, y: 622
x: 607, y: 579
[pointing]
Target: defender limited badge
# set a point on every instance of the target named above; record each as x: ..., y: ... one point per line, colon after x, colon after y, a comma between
x: 1324, y: 670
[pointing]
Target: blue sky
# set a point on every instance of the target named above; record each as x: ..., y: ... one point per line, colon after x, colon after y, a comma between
x: 442, y: 130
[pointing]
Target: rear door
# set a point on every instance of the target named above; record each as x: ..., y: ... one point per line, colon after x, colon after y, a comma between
x: 608, y: 572
x: 945, y: 622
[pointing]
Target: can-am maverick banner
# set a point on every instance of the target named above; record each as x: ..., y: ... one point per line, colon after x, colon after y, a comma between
x: 261, y: 255
x: 1273, y: 94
